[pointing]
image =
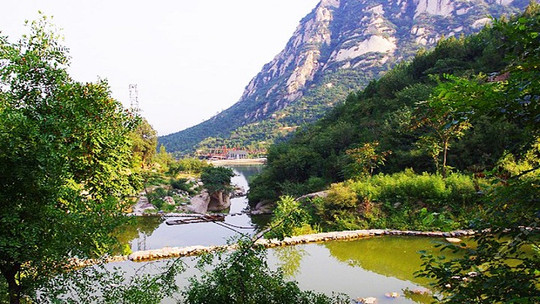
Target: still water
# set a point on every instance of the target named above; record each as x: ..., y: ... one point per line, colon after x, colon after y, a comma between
x: 361, y: 268
x: 154, y: 233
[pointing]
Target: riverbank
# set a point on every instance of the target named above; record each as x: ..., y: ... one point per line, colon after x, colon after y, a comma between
x: 173, y: 252
x: 232, y: 162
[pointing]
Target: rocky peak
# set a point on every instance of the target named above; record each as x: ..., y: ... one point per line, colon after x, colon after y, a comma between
x: 298, y: 62
x: 434, y: 7
x: 352, y: 34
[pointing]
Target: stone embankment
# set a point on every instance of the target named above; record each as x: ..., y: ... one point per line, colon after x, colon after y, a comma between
x: 247, y: 161
x: 172, y: 252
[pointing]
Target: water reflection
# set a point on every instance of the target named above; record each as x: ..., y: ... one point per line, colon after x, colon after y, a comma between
x: 363, y: 268
x: 139, y: 229
x: 289, y: 259
x: 390, y: 255
x: 321, y: 271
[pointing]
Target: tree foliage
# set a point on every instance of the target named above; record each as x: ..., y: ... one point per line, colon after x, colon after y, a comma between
x: 144, y: 143
x: 503, y: 268
x: 365, y: 159
x: 244, y: 277
x: 65, y: 162
x: 217, y: 179
x: 435, y: 107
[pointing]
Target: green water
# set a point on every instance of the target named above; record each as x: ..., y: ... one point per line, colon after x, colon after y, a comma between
x: 362, y: 268
x: 395, y: 256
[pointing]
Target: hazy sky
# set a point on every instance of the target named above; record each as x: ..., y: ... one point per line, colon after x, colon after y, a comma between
x: 189, y: 59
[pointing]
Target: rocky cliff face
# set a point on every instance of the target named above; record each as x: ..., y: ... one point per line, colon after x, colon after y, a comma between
x: 343, y: 37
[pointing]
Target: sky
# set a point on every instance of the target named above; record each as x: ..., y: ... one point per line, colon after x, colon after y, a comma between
x: 189, y: 59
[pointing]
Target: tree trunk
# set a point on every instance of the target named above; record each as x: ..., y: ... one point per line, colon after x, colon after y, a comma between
x: 220, y: 198
x: 445, y: 150
x: 10, y: 272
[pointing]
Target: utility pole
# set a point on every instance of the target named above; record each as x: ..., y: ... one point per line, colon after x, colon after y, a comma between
x: 134, y: 98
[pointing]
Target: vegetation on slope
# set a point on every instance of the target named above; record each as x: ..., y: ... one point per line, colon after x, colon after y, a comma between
x: 404, y: 115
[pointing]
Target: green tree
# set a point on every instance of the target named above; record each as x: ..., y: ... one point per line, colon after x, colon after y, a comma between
x: 217, y: 180
x: 365, y: 159
x: 163, y: 159
x: 144, y: 142
x: 443, y: 125
x: 65, y: 159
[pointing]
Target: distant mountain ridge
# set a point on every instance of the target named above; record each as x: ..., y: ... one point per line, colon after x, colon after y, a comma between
x: 338, y: 47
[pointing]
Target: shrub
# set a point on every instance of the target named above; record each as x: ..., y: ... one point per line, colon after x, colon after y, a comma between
x: 341, y: 196
x: 158, y: 203
x: 402, y: 201
x: 292, y: 188
x: 462, y: 189
x: 314, y: 184
x: 180, y: 184
x: 290, y: 218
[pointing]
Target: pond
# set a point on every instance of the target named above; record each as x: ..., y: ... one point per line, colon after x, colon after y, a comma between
x: 362, y: 268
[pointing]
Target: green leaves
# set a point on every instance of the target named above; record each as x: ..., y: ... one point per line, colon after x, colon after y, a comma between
x: 64, y: 161
x: 289, y: 216
x: 243, y: 277
x: 217, y: 179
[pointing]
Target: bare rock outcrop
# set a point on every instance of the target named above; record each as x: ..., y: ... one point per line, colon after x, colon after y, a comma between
x: 219, y: 201
x: 199, y: 203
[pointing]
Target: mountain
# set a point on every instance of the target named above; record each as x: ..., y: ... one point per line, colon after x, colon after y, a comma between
x: 337, y: 48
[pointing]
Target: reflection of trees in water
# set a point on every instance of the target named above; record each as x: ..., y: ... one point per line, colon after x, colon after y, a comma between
x: 289, y: 258
x: 390, y: 256
x: 249, y: 171
x: 148, y: 224
x: 138, y: 228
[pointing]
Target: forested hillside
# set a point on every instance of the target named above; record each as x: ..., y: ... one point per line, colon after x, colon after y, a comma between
x: 429, y: 115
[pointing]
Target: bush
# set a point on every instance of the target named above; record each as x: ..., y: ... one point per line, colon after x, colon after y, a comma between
x: 341, y: 196
x: 410, y: 189
x: 402, y: 200
x: 158, y: 203
x: 290, y: 218
x: 462, y: 189
x: 180, y: 184
x: 315, y: 184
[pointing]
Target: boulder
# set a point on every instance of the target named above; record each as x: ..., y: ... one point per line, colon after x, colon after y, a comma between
x: 453, y: 240
x: 238, y: 191
x: 392, y: 295
x: 199, y: 203
x: 142, y: 205
x: 263, y: 208
x: 168, y: 200
x: 313, y: 195
x: 420, y: 291
x: 219, y: 201
x: 368, y: 300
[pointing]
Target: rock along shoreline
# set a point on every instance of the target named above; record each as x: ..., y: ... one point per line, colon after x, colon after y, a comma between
x: 174, y: 252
